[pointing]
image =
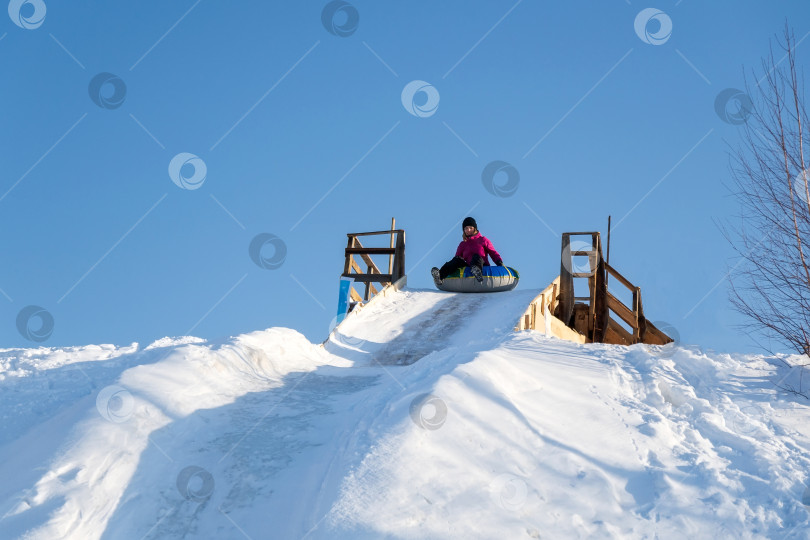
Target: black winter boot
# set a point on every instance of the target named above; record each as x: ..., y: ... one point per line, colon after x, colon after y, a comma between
x: 435, y: 273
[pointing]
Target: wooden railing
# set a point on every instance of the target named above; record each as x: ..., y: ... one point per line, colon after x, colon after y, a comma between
x: 632, y: 317
x: 585, y: 314
x: 558, y: 312
x: 540, y: 316
x: 372, y: 274
x: 643, y: 330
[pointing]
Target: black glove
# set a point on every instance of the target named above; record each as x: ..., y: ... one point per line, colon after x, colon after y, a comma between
x: 499, y: 263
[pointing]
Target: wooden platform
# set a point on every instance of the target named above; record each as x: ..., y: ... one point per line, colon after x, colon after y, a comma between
x: 599, y: 317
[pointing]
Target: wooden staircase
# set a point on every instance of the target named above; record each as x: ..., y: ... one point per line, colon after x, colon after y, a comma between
x: 593, y: 318
x: 372, y: 274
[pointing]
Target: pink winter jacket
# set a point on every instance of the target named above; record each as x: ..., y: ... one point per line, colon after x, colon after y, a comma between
x: 477, y: 245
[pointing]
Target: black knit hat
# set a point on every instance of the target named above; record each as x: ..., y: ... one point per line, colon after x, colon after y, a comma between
x: 469, y: 221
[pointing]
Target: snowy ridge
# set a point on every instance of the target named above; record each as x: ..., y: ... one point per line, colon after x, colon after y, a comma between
x: 422, y: 416
x: 597, y: 442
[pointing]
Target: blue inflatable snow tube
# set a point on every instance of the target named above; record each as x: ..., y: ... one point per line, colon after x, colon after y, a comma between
x: 496, y: 279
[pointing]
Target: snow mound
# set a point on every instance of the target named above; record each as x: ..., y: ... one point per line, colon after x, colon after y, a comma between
x: 422, y: 416
x: 173, y: 342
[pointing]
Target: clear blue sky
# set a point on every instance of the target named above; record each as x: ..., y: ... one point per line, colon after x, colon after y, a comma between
x: 596, y: 120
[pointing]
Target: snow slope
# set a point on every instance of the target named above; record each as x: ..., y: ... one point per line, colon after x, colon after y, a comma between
x: 423, y: 416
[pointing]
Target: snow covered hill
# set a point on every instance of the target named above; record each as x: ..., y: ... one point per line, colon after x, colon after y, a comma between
x: 423, y: 416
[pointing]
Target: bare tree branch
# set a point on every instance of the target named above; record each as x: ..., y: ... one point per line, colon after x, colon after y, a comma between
x: 772, y: 184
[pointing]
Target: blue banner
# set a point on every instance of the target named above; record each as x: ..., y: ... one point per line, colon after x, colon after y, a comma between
x: 343, y: 298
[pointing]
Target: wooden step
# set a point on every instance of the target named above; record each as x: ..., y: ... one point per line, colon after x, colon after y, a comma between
x: 373, y: 278
x: 370, y: 251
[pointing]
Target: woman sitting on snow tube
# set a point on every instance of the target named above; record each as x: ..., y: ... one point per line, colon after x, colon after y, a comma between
x: 467, y: 271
